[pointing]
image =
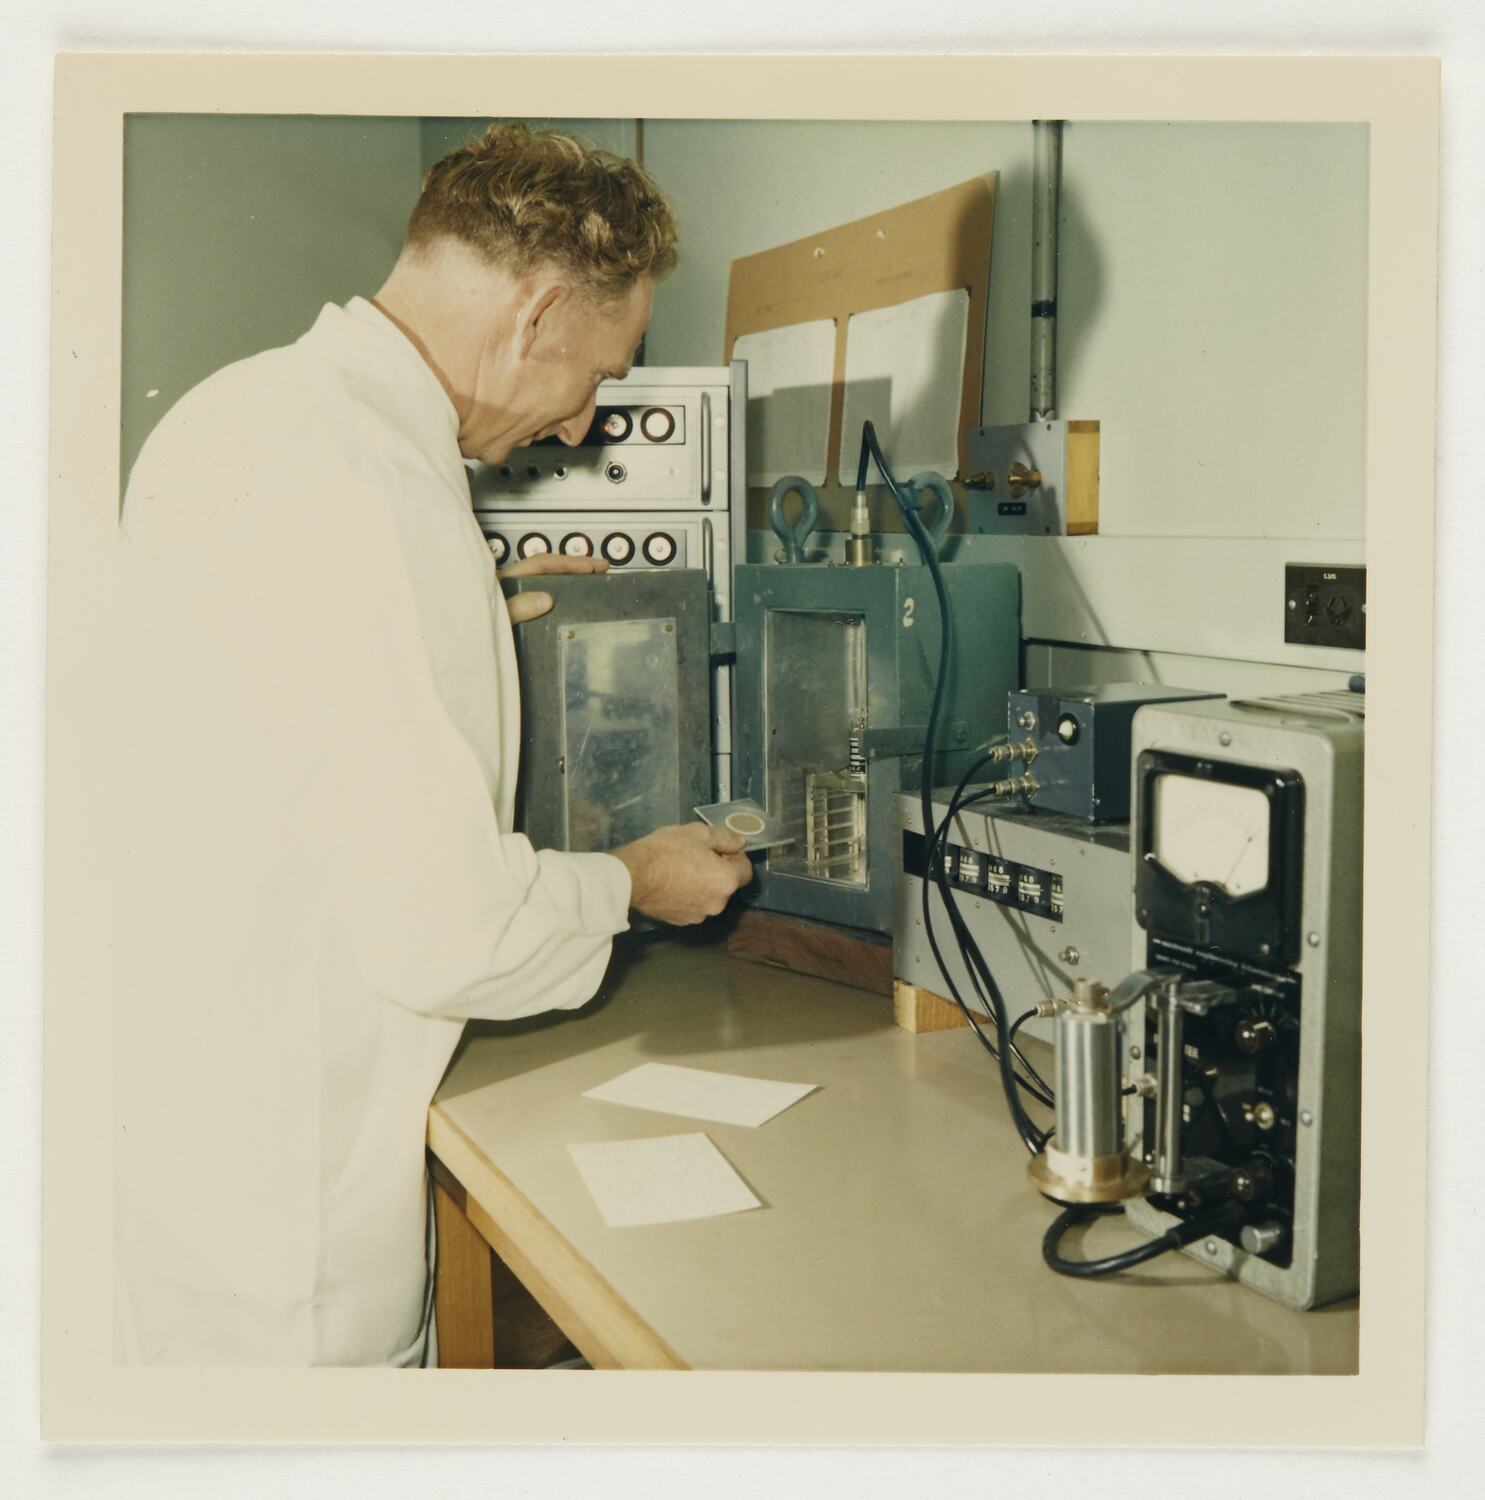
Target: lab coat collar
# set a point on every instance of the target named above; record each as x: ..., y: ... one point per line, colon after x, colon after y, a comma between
x: 368, y: 335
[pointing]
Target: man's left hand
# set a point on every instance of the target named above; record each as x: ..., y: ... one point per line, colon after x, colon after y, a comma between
x: 524, y: 607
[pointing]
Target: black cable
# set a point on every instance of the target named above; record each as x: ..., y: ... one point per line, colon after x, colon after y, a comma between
x: 1033, y: 1138
x: 1225, y: 1217
x: 1031, y: 1135
x: 1037, y: 1086
x: 1016, y: 1025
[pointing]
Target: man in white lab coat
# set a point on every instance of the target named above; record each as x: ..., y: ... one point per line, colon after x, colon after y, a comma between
x: 319, y: 722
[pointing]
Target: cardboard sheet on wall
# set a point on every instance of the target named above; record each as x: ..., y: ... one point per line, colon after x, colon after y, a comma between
x: 936, y: 244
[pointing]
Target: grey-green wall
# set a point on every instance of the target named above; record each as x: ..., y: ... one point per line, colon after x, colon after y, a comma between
x: 238, y: 229
x: 440, y: 136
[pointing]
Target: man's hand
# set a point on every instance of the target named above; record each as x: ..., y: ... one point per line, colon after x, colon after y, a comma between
x: 685, y: 873
x: 529, y: 606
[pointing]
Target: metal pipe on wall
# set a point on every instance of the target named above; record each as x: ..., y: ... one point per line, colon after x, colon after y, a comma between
x: 1046, y: 181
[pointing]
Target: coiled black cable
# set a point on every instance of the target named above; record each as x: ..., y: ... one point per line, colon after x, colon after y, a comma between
x: 1226, y: 1217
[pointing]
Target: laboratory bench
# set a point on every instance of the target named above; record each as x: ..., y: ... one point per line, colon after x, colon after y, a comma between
x: 897, y: 1230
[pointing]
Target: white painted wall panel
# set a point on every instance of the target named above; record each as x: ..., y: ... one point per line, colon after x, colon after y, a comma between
x: 1213, y: 300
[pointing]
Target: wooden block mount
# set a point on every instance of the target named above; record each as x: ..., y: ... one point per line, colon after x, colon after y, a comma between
x: 916, y: 1009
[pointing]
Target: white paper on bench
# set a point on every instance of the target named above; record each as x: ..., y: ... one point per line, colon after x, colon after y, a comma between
x: 700, y: 1093
x: 662, y: 1180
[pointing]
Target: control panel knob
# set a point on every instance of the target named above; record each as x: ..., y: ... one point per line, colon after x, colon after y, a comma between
x: 615, y: 426
x: 1068, y: 730
x: 576, y: 544
x: 659, y: 548
x: 1259, y: 1239
x: 657, y: 424
x: 500, y: 549
x: 1255, y: 1034
x: 533, y: 544
x: 618, y: 548
x: 1250, y: 1181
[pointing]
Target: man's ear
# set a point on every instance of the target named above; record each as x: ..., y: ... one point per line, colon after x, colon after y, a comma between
x: 538, y: 311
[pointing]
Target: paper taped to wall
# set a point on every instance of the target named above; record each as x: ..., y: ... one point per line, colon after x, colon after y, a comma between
x: 790, y: 371
x: 700, y: 1093
x: 662, y: 1180
x: 904, y: 374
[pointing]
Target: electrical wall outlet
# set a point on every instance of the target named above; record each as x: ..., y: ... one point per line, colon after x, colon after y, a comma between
x: 1325, y: 605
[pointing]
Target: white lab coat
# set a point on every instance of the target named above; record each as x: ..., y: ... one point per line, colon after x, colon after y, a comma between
x: 318, y: 741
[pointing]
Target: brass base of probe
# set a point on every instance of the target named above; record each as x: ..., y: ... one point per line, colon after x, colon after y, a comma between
x: 1112, y: 1180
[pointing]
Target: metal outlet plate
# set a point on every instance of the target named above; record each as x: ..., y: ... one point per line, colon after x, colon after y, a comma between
x: 1325, y: 605
x: 1041, y: 446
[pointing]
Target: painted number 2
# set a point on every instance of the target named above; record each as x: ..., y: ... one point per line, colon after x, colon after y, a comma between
x: 907, y: 614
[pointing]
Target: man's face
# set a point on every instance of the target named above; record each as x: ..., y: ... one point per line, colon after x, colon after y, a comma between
x: 547, y: 380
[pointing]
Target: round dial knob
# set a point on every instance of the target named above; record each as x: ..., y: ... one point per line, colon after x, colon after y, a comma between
x: 533, y: 544
x: 1259, y: 1239
x: 1251, y: 1181
x: 616, y: 426
x: 659, y: 548
x: 1255, y: 1034
x: 617, y: 548
x: 500, y: 548
x: 576, y: 544
x: 657, y: 424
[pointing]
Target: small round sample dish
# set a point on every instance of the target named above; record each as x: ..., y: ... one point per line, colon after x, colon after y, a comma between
x: 748, y: 824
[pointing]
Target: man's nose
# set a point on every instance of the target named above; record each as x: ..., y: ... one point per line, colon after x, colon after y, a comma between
x: 575, y: 428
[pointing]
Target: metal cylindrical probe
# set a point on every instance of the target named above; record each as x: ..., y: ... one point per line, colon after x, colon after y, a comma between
x: 1087, y: 1082
x: 1085, y: 1160
x: 859, y: 551
x: 1167, y: 1174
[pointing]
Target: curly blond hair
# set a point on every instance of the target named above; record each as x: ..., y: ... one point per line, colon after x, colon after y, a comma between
x: 524, y: 197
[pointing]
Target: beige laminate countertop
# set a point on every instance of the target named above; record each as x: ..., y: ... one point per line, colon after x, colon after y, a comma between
x: 898, y: 1230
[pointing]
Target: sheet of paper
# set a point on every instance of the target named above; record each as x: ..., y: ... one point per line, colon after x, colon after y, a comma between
x: 662, y: 1180
x: 701, y: 1094
x: 905, y: 374
x: 789, y: 378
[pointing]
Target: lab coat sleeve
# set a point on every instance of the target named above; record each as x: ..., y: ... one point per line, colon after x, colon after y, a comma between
x: 444, y: 912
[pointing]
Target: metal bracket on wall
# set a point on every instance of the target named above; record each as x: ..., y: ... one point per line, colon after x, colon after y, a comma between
x: 907, y: 739
x: 1033, y: 478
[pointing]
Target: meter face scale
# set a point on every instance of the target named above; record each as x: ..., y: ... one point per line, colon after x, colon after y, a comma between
x: 1213, y: 831
x: 1221, y: 854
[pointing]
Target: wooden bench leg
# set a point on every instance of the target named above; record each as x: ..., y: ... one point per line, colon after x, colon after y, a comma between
x: 487, y: 1319
x: 463, y: 1297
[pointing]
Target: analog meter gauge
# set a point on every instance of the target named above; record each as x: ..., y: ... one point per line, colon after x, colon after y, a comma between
x: 1221, y: 854
x: 1212, y: 831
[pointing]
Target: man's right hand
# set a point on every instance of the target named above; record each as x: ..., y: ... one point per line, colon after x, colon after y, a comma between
x: 685, y: 873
